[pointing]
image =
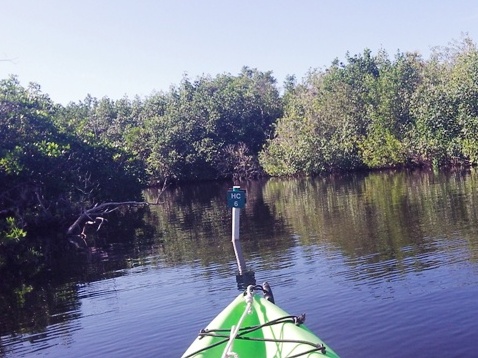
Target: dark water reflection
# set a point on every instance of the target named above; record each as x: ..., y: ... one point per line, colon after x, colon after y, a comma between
x: 384, y: 264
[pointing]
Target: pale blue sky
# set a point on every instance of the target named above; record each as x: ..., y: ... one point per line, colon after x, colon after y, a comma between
x: 117, y: 47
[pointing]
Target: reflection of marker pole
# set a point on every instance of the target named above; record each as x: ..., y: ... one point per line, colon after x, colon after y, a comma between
x: 236, y: 215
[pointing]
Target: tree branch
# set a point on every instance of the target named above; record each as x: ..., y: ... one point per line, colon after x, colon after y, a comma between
x: 99, y: 210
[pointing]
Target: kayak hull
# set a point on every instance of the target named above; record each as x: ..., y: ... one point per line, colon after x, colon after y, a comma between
x: 282, y: 339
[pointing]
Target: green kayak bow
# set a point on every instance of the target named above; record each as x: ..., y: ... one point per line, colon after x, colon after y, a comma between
x: 253, y: 326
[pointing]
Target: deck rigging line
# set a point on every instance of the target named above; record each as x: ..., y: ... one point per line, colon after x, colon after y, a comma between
x: 235, y: 329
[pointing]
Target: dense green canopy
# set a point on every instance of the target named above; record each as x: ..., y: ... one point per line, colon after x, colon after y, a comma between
x: 377, y: 112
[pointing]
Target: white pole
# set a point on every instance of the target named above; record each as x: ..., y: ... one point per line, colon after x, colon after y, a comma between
x: 236, y: 214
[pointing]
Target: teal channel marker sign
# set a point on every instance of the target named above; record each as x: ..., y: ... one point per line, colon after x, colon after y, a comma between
x: 236, y: 198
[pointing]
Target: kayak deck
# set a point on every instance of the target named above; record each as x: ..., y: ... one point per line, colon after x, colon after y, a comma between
x: 265, y: 330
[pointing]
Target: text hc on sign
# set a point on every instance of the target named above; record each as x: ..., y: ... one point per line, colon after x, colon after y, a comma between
x: 236, y: 198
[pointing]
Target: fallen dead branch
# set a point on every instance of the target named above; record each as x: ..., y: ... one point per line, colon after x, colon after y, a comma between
x: 98, y: 211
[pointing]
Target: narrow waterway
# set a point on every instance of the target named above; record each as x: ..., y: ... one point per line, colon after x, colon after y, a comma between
x: 384, y: 264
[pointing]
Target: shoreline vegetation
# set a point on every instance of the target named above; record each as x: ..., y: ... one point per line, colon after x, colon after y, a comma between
x: 372, y: 111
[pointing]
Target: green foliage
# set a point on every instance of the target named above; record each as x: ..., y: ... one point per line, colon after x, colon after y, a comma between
x: 387, y: 141
x: 381, y: 149
x: 324, y: 118
x: 289, y: 152
x: 464, y: 83
x: 435, y: 113
x: 189, y: 132
x: 14, y: 248
x: 445, y: 107
x: 11, y: 233
x: 376, y: 112
x: 47, y: 176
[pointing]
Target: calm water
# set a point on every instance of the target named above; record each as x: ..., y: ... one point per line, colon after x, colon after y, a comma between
x: 384, y: 264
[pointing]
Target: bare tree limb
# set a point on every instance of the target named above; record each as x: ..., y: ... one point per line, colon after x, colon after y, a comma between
x: 99, y: 210
x: 165, y: 185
